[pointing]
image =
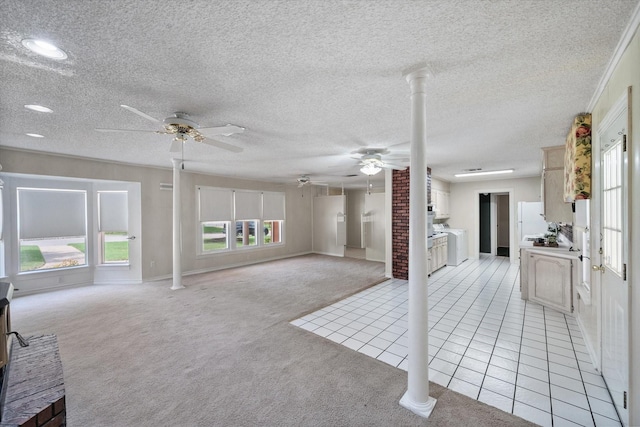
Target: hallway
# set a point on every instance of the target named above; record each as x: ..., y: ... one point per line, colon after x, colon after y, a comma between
x: 484, y: 342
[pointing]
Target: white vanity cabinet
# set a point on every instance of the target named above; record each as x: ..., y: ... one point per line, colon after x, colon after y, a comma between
x: 437, y: 256
x: 548, y: 277
x: 549, y: 280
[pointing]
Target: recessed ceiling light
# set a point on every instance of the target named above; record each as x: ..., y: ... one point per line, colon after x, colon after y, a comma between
x: 44, y: 48
x: 35, y: 135
x: 38, y: 108
x: 460, y: 175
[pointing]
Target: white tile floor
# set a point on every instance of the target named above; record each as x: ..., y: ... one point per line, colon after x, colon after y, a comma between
x: 484, y: 342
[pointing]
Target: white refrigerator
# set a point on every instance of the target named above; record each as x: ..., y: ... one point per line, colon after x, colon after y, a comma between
x: 530, y: 219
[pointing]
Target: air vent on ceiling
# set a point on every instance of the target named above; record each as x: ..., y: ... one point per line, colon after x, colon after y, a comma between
x: 166, y: 186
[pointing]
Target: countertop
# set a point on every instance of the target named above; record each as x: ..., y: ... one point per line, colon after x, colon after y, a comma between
x: 435, y: 236
x: 564, y: 249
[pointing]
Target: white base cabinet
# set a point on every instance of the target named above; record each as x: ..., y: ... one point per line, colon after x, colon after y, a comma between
x: 547, y: 279
x: 438, y: 254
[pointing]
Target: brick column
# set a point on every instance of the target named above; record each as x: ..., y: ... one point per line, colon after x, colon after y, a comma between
x: 400, y: 221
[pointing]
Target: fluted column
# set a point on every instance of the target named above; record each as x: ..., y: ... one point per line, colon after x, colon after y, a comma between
x: 417, y: 398
x: 177, y: 227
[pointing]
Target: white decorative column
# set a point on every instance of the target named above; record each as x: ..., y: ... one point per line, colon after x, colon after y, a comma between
x: 417, y: 398
x: 177, y: 227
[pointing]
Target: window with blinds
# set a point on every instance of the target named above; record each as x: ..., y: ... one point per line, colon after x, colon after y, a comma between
x: 52, y: 228
x: 113, y: 226
x: 238, y: 219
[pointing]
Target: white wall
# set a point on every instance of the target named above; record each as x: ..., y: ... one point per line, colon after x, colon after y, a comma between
x: 375, y: 226
x: 157, y: 209
x: 439, y: 184
x: 464, y: 204
x: 325, y: 225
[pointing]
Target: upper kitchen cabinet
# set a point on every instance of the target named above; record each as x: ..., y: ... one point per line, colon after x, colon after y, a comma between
x: 577, y: 160
x: 440, y: 200
x: 554, y: 207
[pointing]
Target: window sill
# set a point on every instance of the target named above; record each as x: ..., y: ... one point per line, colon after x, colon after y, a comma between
x: 52, y: 270
x: 201, y: 255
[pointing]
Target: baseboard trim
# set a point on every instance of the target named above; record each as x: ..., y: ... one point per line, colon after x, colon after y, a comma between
x: 227, y: 266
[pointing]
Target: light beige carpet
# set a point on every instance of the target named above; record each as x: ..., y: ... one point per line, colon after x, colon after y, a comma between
x: 222, y: 353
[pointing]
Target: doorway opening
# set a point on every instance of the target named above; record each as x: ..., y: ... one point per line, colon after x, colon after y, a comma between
x: 494, y: 223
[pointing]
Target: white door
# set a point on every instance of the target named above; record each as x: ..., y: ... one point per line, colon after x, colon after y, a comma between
x: 613, y: 249
x: 118, y: 258
x: 374, y: 227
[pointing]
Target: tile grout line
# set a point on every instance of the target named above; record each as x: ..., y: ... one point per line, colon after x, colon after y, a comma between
x: 494, y: 344
x: 546, y: 345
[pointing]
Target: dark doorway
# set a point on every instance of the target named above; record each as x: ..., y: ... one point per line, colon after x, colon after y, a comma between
x: 485, y: 223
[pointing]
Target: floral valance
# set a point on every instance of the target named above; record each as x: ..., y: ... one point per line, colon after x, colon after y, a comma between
x: 577, y: 160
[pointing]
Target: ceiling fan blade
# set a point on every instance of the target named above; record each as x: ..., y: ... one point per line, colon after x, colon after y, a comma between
x: 127, y: 130
x: 175, y: 146
x: 221, y: 130
x: 390, y: 166
x: 223, y: 145
x: 140, y: 113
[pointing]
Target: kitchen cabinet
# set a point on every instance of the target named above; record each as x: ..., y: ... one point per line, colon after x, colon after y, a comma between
x: 440, y: 200
x: 553, y: 205
x: 547, y: 278
x: 437, y: 254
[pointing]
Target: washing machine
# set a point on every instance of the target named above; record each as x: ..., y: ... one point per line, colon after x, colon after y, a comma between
x: 457, y: 246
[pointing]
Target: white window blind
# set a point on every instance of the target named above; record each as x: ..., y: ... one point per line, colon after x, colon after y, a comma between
x: 216, y: 204
x: 51, y: 213
x: 248, y: 205
x: 273, y: 206
x: 114, y: 211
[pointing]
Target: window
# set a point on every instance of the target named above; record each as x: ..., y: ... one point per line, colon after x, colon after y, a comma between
x: 273, y: 214
x: 246, y: 233
x: 257, y: 218
x: 215, y: 236
x: 113, y: 226
x: 272, y: 232
x: 215, y: 215
x: 52, y: 228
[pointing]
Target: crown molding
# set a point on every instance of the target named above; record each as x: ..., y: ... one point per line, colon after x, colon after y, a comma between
x: 625, y: 39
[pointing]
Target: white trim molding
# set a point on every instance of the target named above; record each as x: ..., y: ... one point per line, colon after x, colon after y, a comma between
x: 627, y: 36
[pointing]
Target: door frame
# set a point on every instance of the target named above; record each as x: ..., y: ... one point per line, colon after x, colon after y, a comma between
x: 474, y: 234
x: 131, y: 272
x: 623, y: 103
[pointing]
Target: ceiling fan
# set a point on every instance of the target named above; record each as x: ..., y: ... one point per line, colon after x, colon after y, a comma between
x: 181, y: 125
x: 371, y: 160
x: 305, y: 180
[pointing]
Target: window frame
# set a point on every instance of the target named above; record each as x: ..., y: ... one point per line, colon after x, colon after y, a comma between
x: 20, y: 240
x: 232, y: 241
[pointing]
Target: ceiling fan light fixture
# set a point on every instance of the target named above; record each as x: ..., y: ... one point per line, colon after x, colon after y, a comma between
x: 45, y: 49
x: 370, y: 169
x: 496, y: 172
x: 38, y: 108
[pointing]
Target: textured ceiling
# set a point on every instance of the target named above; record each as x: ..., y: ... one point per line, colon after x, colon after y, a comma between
x: 311, y: 81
